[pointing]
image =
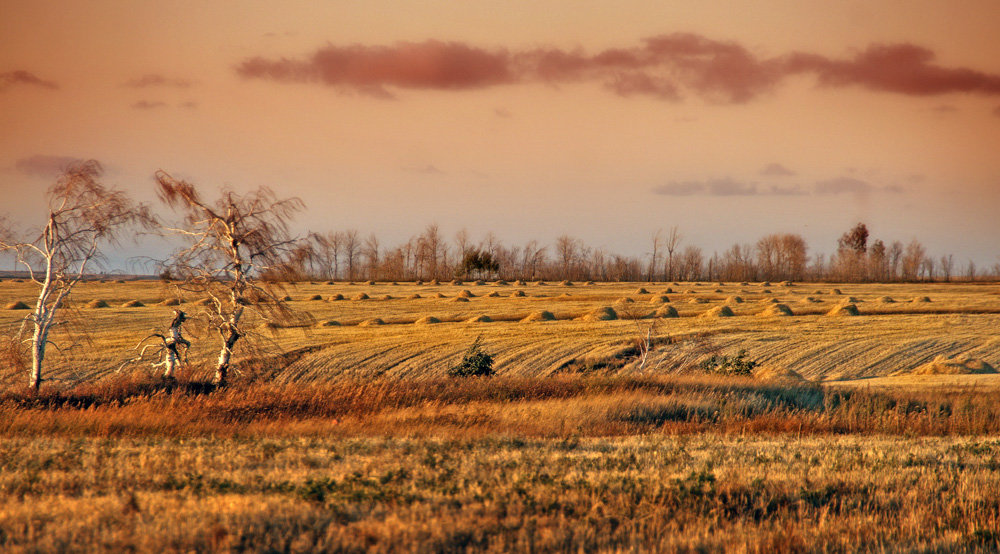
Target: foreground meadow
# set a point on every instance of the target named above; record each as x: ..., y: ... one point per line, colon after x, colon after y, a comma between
x: 350, y: 436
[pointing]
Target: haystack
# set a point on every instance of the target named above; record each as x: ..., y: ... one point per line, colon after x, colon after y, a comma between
x: 414, y: 296
x: 719, y: 311
x: 766, y: 291
x: 809, y: 300
x: 698, y: 300
x: 501, y: 283
x: 361, y: 296
x: 717, y: 291
x: 336, y: 297
x: 459, y: 299
x: 734, y: 300
x: 606, y: 313
x: 666, y: 311
x: 466, y: 294
x: 370, y: 283
x: 659, y: 299
x: 771, y: 373
x: 96, y: 304
x: 316, y: 297
x: 286, y: 298
x: 518, y: 293
x: 427, y: 320
x: 817, y: 291
x: 566, y: 283
x: 744, y: 284
x: 457, y: 282
x: 540, y: 283
x: 385, y: 297
x: 885, y: 300
x: 328, y: 323
x: 844, y: 310
x: 435, y: 282
x: 439, y: 295
x: 170, y: 302
x: 133, y: 304
x: 590, y: 283
x: 625, y: 300
x: 543, y: 315
x: 330, y: 283
x: 836, y: 291
x: 922, y: 299
x: 479, y: 319
x: 641, y: 291
x: 479, y: 283
x: 418, y: 282
x: 565, y: 295
x: 668, y: 291
x: 690, y: 291
x: 963, y: 364
x: 493, y: 294
x: 373, y: 322
x: 787, y: 284
x: 765, y: 284
x: 521, y: 283
x: 851, y: 300
x: 17, y: 306
x: 777, y: 310
x: 771, y: 300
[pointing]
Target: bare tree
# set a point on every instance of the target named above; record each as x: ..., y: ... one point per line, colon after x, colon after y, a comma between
x: 352, y: 246
x: 947, y: 264
x: 674, y: 238
x: 655, y: 257
x: 970, y: 271
x: 232, y: 242
x: 370, y: 250
x: 913, y: 260
x: 83, y: 215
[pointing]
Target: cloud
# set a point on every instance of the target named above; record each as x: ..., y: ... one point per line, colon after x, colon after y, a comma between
x: 148, y: 105
x: 943, y: 109
x: 711, y: 187
x: 900, y: 68
x: 42, y: 165
x: 503, y: 113
x: 423, y: 170
x: 666, y: 67
x: 156, y: 80
x: 776, y: 170
x: 777, y: 190
x: 190, y: 104
x: 841, y: 185
x: 21, y: 77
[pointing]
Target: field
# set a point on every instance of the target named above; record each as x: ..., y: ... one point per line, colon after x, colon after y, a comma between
x: 352, y: 437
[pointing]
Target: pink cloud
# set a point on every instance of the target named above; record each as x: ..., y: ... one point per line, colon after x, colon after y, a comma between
x: 21, y: 77
x: 665, y: 67
x: 156, y: 80
x: 44, y: 165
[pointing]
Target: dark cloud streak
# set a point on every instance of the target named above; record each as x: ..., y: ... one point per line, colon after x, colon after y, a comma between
x: 21, y: 77
x: 664, y: 67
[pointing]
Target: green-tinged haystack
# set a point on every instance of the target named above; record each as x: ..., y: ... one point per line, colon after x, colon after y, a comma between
x: 542, y: 315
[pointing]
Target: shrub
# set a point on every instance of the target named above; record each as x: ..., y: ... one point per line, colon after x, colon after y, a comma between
x: 475, y: 362
x: 725, y: 365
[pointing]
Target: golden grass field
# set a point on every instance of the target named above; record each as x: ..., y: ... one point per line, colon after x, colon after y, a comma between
x: 352, y: 438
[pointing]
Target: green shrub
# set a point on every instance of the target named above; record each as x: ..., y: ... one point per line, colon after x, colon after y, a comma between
x: 725, y: 365
x: 475, y: 362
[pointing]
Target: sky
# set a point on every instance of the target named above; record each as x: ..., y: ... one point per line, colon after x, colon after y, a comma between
x: 605, y: 121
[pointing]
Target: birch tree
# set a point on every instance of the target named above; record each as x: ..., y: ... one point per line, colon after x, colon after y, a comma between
x: 231, y: 242
x: 83, y: 217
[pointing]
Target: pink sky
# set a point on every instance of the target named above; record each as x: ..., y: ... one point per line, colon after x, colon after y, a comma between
x: 602, y: 120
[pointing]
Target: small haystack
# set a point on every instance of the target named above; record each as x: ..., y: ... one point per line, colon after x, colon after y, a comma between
x: 659, y: 299
x: 766, y: 291
x: 501, y: 283
x: 17, y: 306
x: 479, y: 319
x: 336, y: 297
x: 606, y: 313
x: 963, y: 364
x: 518, y: 293
x: 922, y: 299
x: 543, y: 315
x: 771, y: 300
x: 625, y: 300
x: 668, y: 291
x: 719, y: 311
x: 777, y: 310
x: 370, y: 283
x: 641, y: 290
x: 479, y: 283
x: 328, y: 323
x: 590, y: 283
x: 459, y: 299
x: 717, y: 291
x: 493, y: 294
x: 698, y: 300
x: 744, y: 284
x: 439, y: 295
x: 566, y: 283
x: 765, y: 284
x: 316, y: 297
x: 170, y: 302
x: 771, y: 373
x: 850, y: 300
x: 373, y: 322
x: 330, y: 283
x: 844, y: 310
x: 414, y: 296
x: 385, y: 297
x: 361, y: 296
x: 787, y: 284
x: 133, y: 304
x: 836, y: 291
x: 885, y: 300
x: 427, y: 320
x: 565, y: 295
x: 435, y: 282
x: 809, y: 300
x: 466, y: 293
x: 521, y: 283
x: 456, y: 282
x: 734, y: 300
x: 286, y: 298
x: 666, y: 311
x: 99, y: 304
x: 540, y: 283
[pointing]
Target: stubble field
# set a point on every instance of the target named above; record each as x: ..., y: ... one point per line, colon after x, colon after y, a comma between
x: 351, y: 437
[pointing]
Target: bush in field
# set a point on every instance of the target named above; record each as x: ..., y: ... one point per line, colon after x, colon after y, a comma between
x: 475, y: 362
x: 726, y: 365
